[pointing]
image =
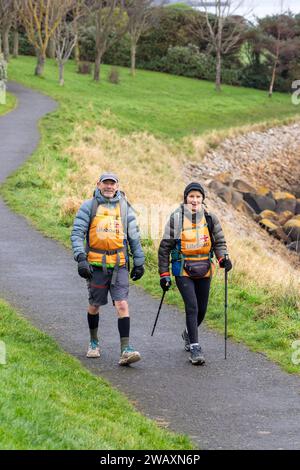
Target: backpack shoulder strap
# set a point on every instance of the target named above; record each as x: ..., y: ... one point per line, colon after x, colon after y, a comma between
x: 124, y: 211
x: 95, y: 206
x: 210, y: 225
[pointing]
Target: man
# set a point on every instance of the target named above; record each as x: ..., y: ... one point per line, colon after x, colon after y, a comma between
x: 108, y: 225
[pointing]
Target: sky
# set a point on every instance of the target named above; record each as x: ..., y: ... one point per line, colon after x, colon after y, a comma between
x: 271, y: 7
x: 263, y: 7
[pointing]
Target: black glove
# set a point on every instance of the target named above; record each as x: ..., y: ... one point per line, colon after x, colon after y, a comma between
x: 137, y: 272
x: 225, y: 263
x: 85, y: 270
x: 165, y: 283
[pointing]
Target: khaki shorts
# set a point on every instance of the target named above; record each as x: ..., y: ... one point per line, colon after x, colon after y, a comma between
x: 100, y: 285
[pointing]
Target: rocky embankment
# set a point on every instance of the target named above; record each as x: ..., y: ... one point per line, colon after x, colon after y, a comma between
x: 258, y: 175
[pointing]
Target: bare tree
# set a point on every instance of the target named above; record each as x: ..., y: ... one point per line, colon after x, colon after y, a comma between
x: 7, y: 15
x: 80, y: 12
x: 109, y: 18
x: 41, y: 18
x: 222, y: 29
x: 15, y: 27
x: 65, y: 37
x: 281, y: 31
x: 141, y: 16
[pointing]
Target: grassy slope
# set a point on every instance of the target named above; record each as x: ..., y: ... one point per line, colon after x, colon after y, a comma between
x: 262, y: 318
x: 49, y: 401
x: 10, y: 104
x: 184, y: 107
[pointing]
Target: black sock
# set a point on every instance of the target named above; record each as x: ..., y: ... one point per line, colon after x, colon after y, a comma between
x: 124, y: 328
x: 93, y: 321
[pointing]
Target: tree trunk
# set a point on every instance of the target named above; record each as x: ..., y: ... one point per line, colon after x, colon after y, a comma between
x: 16, y: 44
x: 272, y: 81
x: 0, y: 43
x: 51, y: 48
x: 218, y: 71
x: 98, y: 59
x: 39, y: 69
x: 61, y: 73
x: 77, y: 52
x: 133, y: 57
x: 6, y: 43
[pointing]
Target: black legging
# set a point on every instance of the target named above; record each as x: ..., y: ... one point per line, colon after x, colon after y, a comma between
x: 195, y: 293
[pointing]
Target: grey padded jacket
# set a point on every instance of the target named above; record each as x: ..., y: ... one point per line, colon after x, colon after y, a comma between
x: 82, y: 223
x: 173, y: 232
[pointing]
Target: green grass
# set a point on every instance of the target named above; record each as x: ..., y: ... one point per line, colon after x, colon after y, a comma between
x: 169, y: 107
x: 164, y: 105
x: 264, y: 321
x: 49, y: 401
x: 10, y: 104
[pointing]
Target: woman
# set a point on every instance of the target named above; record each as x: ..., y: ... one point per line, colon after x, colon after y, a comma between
x: 192, y: 237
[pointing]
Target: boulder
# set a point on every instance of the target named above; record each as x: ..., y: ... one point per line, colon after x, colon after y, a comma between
x: 297, y: 209
x: 280, y: 235
x: 274, y: 230
x: 296, y: 190
x: 267, y: 224
x: 243, y: 187
x: 215, y: 185
x: 224, y: 178
x: 249, y: 210
x: 259, y: 203
x: 283, y: 195
x: 283, y: 217
x: 294, y: 246
x: 264, y: 191
x: 237, y: 200
x: 292, y: 229
x: 287, y: 204
x: 267, y: 214
x: 225, y: 193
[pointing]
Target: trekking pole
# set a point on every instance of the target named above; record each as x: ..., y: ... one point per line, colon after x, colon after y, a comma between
x: 161, y: 302
x: 226, y: 304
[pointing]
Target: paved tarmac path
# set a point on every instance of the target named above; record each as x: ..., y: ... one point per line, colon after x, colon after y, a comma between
x: 246, y: 402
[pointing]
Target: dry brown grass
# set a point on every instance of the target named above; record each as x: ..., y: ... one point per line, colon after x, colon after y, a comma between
x: 151, y: 172
x: 273, y: 269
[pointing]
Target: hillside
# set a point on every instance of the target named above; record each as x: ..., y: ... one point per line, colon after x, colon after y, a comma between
x: 150, y: 131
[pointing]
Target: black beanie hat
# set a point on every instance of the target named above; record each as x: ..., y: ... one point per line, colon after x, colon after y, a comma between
x: 193, y: 187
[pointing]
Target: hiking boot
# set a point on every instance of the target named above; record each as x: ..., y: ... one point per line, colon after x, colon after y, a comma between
x: 94, y: 349
x: 186, y: 340
x: 197, y: 357
x: 128, y: 356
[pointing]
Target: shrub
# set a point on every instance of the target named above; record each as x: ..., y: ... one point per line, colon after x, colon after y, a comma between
x: 114, y: 76
x: 255, y: 76
x: 87, y: 44
x: 188, y: 61
x: 84, y: 68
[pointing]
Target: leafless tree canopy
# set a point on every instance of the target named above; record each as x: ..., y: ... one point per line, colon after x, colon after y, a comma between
x: 41, y: 18
x: 220, y: 18
x: 141, y: 16
x: 8, y: 12
x: 109, y: 17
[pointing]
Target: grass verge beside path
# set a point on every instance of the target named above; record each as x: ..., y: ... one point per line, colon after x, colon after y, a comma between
x: 49, y: 401
x: 79, y: 141
x: 10, y: 104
